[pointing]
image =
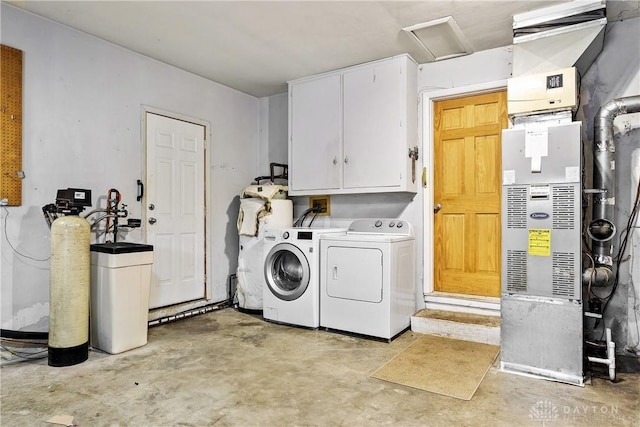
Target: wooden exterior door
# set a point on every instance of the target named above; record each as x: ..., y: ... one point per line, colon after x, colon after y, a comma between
x: 467, y: 168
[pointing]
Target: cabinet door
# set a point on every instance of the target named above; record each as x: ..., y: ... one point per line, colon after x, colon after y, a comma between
x: 315, y: 122
x: 373, y: 142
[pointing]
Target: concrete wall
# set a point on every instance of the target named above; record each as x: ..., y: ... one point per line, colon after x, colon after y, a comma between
x: 616, y: 74
x: 82, y: 104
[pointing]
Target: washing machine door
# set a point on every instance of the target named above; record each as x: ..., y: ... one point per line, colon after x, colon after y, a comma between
x: 286, y: 271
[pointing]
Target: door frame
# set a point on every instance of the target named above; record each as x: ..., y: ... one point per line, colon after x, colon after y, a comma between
x: 178, y: 308
x: 439, y: 300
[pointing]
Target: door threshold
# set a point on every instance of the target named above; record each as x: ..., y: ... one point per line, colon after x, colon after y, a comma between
x: 178, y: 309
x: 473, y: 304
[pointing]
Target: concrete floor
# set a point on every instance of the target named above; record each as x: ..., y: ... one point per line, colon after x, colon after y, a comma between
x: 230, y: 368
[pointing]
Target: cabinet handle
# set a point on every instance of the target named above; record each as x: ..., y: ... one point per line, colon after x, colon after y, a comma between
x: 346, y: 160
x: 335, y: 272
x: 335, y: 161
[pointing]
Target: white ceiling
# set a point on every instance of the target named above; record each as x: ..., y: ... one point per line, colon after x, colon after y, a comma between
x: 257, y: 46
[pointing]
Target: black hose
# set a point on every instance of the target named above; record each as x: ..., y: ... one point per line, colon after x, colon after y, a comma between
x: 300, y: 221
x: 24, y: 335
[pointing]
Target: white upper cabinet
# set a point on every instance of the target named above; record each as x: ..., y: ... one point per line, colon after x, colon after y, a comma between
x: 350, y: 131
x: 315, y: 126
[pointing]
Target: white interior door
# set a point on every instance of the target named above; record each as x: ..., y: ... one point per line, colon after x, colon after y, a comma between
x: 175, y: 209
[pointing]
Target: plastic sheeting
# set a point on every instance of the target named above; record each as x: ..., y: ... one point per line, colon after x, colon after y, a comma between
x: 265, y: 192
x: 250, y: 272
x: 251, y: 210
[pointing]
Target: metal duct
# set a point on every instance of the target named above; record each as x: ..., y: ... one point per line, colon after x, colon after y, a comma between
x: 563, y: 36
x: 602, y: 228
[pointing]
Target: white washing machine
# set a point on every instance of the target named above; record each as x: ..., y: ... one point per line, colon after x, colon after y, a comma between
x: 291, y: 272
x: 367, y: 276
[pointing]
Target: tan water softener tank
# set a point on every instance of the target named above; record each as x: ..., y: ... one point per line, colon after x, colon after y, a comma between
x: 69, y: 291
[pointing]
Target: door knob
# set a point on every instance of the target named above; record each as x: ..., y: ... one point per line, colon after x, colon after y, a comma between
x: 437, y: 208
x: 152, y: 220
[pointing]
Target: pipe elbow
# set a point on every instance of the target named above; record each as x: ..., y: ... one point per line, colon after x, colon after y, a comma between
x: 607, y: 113
x: 598, y: 277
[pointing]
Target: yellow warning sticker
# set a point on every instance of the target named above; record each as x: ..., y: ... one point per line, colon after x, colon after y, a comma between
x: 539, y: 241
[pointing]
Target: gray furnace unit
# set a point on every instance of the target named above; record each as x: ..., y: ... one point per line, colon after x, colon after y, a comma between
x: 542, y: 317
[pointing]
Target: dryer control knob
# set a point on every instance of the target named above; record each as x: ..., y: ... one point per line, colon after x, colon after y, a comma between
x: 378, y: 223
x: 391, y: 224
x: 400, y: 224
x: 285, y: 235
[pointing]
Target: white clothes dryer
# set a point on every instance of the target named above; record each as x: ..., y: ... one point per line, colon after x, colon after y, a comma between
x: 368, y: 278
x: 291, y: 272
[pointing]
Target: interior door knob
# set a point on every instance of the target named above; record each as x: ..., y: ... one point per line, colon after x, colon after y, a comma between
x: 437, y: 208
x: 152, y: 220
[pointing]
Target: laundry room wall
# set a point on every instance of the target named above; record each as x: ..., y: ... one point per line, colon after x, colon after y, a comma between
x: 481, y: 67
x: 447, y: 79
x: 613, y: 74
x: 82, y: 109
x: 344, y: 208
x: 273, y: 131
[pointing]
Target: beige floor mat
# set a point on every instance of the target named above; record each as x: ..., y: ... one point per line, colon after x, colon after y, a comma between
x: 441, y: 365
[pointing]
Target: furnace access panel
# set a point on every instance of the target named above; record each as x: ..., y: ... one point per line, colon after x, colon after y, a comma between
x: 541, y: 199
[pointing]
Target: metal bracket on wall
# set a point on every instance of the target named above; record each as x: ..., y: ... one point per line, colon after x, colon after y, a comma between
x: 414, y: 156
x: 140, y: 190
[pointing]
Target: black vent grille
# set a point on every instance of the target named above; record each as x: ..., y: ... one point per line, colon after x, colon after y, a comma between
x: 517, y: 207
x: 516, y: 271
x: 563, y: 208
x: 563, y: 274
